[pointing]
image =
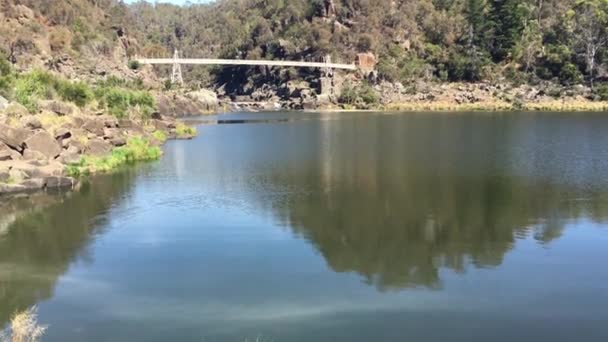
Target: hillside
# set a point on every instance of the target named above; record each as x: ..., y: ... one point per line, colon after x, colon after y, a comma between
x: 459, y: 51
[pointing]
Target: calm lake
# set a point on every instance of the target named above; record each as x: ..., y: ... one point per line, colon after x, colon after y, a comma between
x: 329, y: 227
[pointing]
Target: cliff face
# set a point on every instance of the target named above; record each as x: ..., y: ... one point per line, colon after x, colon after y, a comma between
x: 78, y: 42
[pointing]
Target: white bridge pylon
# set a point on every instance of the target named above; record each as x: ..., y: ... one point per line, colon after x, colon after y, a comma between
x: 177, y: 62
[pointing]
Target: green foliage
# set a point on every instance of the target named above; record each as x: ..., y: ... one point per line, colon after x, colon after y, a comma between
x: 184, y: 131
x: 570, y: 74
x: 41, y: 85
x: 601, y: 91
x: 362, y: 96
x: 137, y: 149
x: 134, y: 65
x: 160, y: 136
x: 77, y: 92
x: 31, y: 87
x: 119, y: 101
x: 7, y: 77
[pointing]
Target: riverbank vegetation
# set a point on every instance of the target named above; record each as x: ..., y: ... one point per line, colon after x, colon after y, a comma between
x: 23, y: 327
x: 552, y: 46
x: 136, y: 149
x: 113, y: 95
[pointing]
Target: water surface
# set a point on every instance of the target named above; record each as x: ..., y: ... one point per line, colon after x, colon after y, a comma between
x: 329, y: 227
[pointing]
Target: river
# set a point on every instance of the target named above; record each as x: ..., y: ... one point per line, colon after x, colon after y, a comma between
x: 329, y: 227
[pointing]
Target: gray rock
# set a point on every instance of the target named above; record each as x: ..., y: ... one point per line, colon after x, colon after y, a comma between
x: 161, y: 125
x: 94, y: 126
x: 62, y: 133
x: 33, y: 183
x: 69, y: 157
x: 98, y: 147
x: 126, y: 123
x: 111, y: 133
x: 14, y: 137
x: 5, y: 152
x: 31, y: 122
x: 76, y: 145
x: 118, y: 141
x: 44, y: 143
x: 4, y: 176
x: 30, y: 154
x: 109, y: 121
x: 11, y: 188
x: 16, y: 110
x: 3, y: 103
x: 59, y: 182
x: 58, y: 108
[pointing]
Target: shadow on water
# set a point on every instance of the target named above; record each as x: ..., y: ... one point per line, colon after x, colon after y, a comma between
x: 45, y: 233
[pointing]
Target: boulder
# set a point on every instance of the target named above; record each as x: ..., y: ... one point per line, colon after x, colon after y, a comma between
x: 14, y: 137
x: 3, y: 103
x: 93, y: 126
x: 29, y: 154
x: 126, y: 123
x: 59, y: 182
x: 31, y: 122
x: 5, y: 152
x: 62, y: 133
x: 118, y: 141
x: 111, y: 133
x: 69, y: 157
x: 58, y: 108
x: 78, y: 121
x: 76, y: 146
x: 4, y: 176
x: 44, y: 143
x: 16, y: 110
x: 109, y: 121
x: 161, y: 125
x: 33, y: 183
x: 11, y: 188
x: 98, y: 147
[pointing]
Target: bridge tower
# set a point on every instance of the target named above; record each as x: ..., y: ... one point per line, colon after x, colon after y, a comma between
x: 176, y: 73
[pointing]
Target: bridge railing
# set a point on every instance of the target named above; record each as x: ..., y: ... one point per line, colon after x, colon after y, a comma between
x: 249, y: 62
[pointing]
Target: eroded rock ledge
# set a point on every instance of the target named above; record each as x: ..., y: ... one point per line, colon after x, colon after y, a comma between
x: 36, y: 150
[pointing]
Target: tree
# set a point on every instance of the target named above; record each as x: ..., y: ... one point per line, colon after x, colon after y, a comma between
x: 591, y: 18
x: 529, y: 46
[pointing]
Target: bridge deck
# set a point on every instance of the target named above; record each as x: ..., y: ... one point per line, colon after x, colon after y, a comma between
x: 250, y: 62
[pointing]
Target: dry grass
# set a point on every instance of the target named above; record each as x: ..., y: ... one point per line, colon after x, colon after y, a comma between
x: 549, y: 106
x: 51, y: 121
x: 24, y: 327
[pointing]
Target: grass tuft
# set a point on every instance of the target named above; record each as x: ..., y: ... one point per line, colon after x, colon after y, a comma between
x: 137, y: 149
x: 24, y: 327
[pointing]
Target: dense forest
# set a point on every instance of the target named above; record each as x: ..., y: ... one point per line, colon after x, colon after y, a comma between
x: 522, y: 41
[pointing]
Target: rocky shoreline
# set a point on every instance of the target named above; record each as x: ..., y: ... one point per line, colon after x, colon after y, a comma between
x: 36, y: 151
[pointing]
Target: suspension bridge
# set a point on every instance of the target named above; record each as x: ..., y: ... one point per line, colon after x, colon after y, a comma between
x: 176, y: 76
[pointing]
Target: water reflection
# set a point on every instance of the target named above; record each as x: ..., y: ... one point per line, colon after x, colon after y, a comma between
x: 47, y: 233
x: 398, y: 199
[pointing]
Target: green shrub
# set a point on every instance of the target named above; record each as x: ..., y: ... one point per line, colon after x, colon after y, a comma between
x: 116, y: 100
x: 6, y: 77
x: 29, y: 88
x: 368, y: 94
x: 601, y: 91
x: 78, y: 92
x: 134, y: 65
x: 160, y: 136
x: 570, y: 74
x: 182, y: 130
x: 363, y: 93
